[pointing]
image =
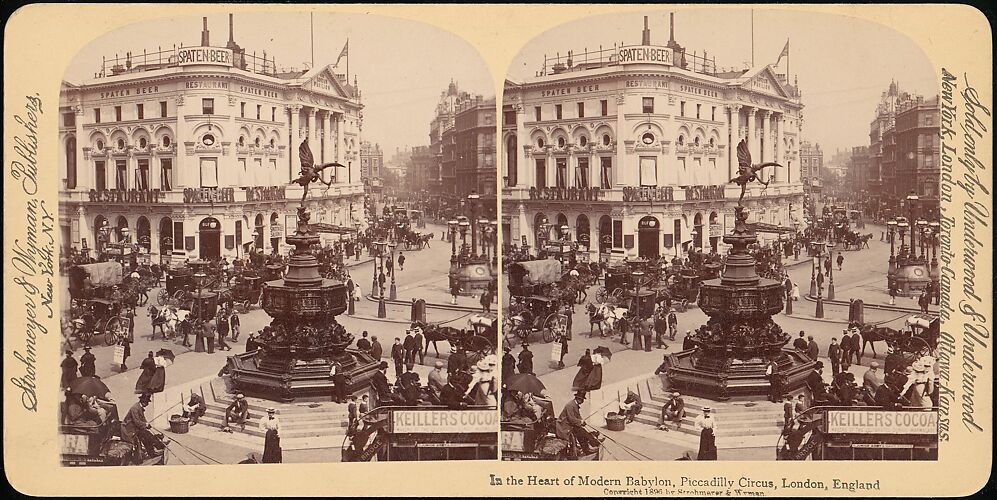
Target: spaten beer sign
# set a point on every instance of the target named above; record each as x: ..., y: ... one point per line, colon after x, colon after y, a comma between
x: 204, y: 55
x: 644, y: 54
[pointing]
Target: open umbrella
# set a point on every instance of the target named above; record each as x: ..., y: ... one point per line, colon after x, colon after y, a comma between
x: 524, y: 382
x: 89, y: 386
x: 166, y: 354
x: 607, y: 355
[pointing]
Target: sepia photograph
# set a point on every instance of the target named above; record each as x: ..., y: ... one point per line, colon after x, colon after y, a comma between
x: 721, y: 235
x: 277, y: 246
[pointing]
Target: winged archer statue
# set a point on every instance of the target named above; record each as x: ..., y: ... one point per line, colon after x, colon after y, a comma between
x: 746, y: 172
x: 309, y: 171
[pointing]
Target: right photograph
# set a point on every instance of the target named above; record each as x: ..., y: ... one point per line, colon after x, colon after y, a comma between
x: 720, y: 231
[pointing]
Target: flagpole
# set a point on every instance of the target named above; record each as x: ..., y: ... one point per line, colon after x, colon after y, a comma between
x: 312, y: 23
x: 752, y: 38
x: 347, y: 61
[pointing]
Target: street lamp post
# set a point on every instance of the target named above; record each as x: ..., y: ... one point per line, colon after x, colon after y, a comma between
x: 830, y: 273
x: 637, y: 275
x: 392, y: 293
x: 814, y: 267
x: 381, y: 309
x: 463, y: 225
x: 452, y: 224
x: 912, y: 199
x: 818, y: 248
x: 472, y: 200
x: 485, y: 231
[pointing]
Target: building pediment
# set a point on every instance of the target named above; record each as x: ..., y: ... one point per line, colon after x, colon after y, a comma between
x: 322, y: 80
x: 764, y: 80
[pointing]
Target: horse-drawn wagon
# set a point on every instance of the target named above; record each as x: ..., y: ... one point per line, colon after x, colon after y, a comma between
x: 96, y: 302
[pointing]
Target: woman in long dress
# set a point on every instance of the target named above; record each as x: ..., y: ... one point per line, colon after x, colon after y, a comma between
x: 594, y: 379
x: 271, y: 444
x: 707, y: 443
x: 584, y: 369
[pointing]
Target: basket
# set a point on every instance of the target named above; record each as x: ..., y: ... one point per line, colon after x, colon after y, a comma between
x: 616, y: 422
x: 179, y: 424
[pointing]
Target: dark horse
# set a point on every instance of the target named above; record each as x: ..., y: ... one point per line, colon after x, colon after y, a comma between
x: 872, y: 334
x: 435, y: 333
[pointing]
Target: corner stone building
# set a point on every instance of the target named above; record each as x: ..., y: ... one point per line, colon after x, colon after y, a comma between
x: 633, y: 149
x: 193, y: 150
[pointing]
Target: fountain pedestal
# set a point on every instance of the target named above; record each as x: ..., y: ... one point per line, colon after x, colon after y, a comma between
x: 292, y: 357
x: 737, y: 345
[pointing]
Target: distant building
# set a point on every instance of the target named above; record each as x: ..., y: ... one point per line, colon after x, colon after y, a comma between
x: 474, y: 133
x: 441, y: 123
x: 371, y: 162
x: 858, y: 168
x: 811, y: 163
x: 916, y: 167
x: 419, y: 168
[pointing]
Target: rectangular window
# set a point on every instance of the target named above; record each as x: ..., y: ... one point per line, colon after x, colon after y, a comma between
x: 606, y: 172
x: 100, y: 169
x: 273, y: 114
x: 242, y: 110
x: 582, y: 173
x: 209, y: 172
x: 140, y: 111
x: 557, y: 111
x: 929, y: 161
x: 581, y: 110
x: 258, y: 169
x: 604, y: 105
x: 259, y: 111
x: 166, y: 173
x: 648, y: 171
x: 713, y: 164
x: 242, y: 166
x: 681, y: 108
x: 178, y: 236
x: 207, y: 106
x: 698, y: 107
x: 117, y: 113
x: 96, y: 115
x: 120, y: 174
x: 162, y: 109
x: 69, y: 119
x: 713, y: 113
x: 536, y: 111
x: 647, y: 105
x: 617, y: 233
x: 541, y: 171
x: 142, y: 175
x: 561, y: 180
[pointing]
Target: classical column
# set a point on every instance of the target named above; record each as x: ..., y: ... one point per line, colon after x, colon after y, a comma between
x: 295, y: 161
x: 764, y: 146
x: 752, y: 140
x: 524, y: 175
x: 780, y: 128
x: 735, y: 135
x: 327, y: 137
x: 181, y: 176
x: 621, y: 151
x: 82, y: 181
x: 85, y: 231
x: 310, y: 125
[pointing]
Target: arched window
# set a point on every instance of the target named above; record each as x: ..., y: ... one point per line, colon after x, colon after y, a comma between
x: 681, y: 140
x: 582, y: 141
x: 606, y: 139
x: 71, y: 163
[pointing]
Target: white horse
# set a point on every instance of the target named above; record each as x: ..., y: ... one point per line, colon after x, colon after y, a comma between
x: 171, y: 317
x: 606, y: 316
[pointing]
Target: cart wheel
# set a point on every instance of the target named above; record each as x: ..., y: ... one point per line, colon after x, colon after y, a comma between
x: 554, y: 327
x: 162, y: 297
x: 113, y: 330
x: 480, y: 346
x: 601, y: 295
x: 918, y: 346
x: 617, y: 294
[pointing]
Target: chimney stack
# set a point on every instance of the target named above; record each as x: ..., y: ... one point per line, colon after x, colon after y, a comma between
x: 645, y: 38
x: 231, y: 29
x: 204, y: 33
x: 671, y: 26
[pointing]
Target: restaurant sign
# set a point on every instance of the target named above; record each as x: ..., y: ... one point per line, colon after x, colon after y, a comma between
x: 187, y: 56
x: 704, y: 193
x: 208, y: 195
x: 648, y: 193
x: 126, y: 195
x: 444, y: 421
x: 565, y: 194
x: 264, y: 193
x: 882, y: 422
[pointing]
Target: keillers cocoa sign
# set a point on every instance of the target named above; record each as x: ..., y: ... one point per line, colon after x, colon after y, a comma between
x: 565, y: 194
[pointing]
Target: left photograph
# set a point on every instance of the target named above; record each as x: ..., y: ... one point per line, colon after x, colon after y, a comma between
x: 267, y: 254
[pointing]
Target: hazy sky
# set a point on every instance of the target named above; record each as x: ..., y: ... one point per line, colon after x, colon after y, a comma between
x: 843, y: 64
x: 401, y: 66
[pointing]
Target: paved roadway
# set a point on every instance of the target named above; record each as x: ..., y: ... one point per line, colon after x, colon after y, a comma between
x: 424, y: 276
x: 862, y: 276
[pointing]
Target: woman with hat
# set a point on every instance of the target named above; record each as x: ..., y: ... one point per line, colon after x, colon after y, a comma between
x: 920, y: 391
x: 483, y: 379
x: 706, y: 425
x: 271, y: 444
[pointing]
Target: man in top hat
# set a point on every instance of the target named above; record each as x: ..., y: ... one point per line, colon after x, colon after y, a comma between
x: 237, y: 413
x: 88, y: 363
x: 508, y: 361
x: 135, y: 429
x: 570, y: 424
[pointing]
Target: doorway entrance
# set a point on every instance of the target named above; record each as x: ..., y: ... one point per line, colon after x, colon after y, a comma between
x: 210, y: 238
x: 648, y: 237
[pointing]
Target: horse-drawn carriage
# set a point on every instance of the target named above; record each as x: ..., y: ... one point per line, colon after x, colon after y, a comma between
x: 96, y: 302
x: 476, y: 342
x: 919, y: 337
x: 246, y: 292
x: 178, y: 281
x: 90, y: 431
x: 536, y: 300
